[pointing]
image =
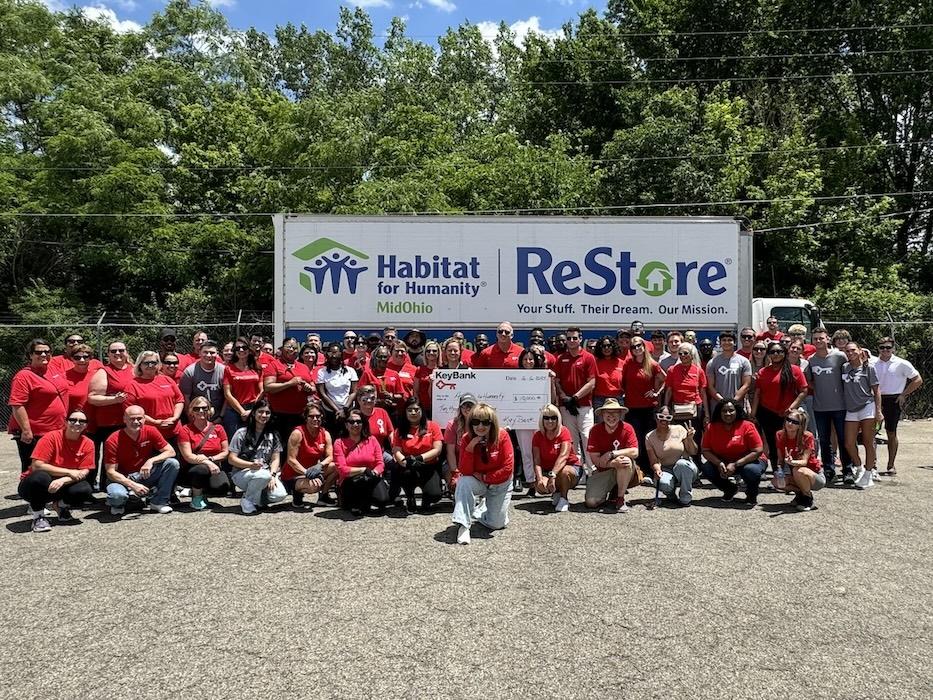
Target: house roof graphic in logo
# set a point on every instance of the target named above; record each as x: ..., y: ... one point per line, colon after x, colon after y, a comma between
x: 655, y: 279
x: 326, y: 257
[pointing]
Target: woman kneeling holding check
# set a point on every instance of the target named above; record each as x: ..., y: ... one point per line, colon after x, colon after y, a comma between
x: 486, y: 461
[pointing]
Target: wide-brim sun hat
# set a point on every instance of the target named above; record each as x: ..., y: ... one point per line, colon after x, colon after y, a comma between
x: 612, y: 405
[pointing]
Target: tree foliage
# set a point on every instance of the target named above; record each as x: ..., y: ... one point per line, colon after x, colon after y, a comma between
x: 659, y: 102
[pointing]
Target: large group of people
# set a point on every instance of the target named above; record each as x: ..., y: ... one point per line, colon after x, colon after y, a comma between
x: 351, y: 423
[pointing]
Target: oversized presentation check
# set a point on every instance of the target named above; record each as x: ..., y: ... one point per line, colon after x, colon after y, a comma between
x: 517, y: 395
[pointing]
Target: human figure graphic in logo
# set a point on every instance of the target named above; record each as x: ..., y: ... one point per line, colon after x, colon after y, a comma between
x: 328, y: 257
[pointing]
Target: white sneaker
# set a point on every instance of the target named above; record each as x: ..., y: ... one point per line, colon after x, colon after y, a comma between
x: 162, y: 510
x: 463, y: 535
x: 562, y: 506
x: 858, y: 473
x: 182, y: 492
x: 865, y: 480
x: 247, y: 506
x: 480, y: 509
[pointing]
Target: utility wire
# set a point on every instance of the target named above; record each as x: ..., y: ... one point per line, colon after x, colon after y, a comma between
x: 735, y: 57
x: 389, y: 166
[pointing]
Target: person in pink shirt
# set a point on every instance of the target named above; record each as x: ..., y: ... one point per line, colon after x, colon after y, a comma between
x: 358, y: 456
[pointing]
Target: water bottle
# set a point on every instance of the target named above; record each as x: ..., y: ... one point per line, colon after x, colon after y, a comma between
x: 779, y: 478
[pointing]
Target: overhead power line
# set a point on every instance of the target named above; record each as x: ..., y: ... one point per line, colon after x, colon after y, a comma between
x: 418, y: 166
x: 733, y: 57
x: 818, y: 224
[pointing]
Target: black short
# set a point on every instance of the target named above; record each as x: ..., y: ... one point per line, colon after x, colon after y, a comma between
x: 891, y: 410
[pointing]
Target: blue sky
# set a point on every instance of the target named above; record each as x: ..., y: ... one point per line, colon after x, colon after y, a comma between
x: 426, y: 19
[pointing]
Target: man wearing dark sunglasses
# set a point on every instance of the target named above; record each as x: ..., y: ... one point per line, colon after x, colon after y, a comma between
x: 503, y: 354
x: 897, y: 379
x: 747, y: 340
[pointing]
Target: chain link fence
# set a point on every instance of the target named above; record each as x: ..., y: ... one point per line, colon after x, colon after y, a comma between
x: 913, y: 340
x: 99, y: 333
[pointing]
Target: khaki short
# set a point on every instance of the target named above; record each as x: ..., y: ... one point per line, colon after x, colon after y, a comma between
x: 600, y: 483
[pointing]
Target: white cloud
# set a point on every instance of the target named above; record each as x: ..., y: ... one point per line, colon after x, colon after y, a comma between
x: 442, y: 5
x: 369, y: 3
x: 100, y: 13
x: 127, y: 5
x: 521, y: 29
x: 221, y: 3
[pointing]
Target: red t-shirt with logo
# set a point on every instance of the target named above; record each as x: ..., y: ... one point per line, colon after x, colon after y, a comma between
x: 212, y: 446
x: 311, y: 450
x: 380, y: 426
x: 731, y: 443
x: 635, y: 384
x: 608, y: 376
x: 78, y: 384
x: 293, y: 399
x: 388, y: 383
x: 129, y: 454
x: 686, y: 382
x: 157, y: 397
x: 55, y: 449
x: 494, y: 358
x: 44, y: 395
x: 768, y: 386
x: 549, y: 450
x: 245, y: 384
x: 413, y: 444
x: 117, y: 380
x: 601, y: 440
x: 796, y: 453
x: 498, y: 465
x: 573, y: 371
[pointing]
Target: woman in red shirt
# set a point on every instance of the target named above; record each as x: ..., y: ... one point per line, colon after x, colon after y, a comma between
x: 158, y: 395
x: 204, y: 448
x: 416, y: 447
x: 358, y: 456
x: 780, y: 388
x: 486, y: 462
x: 61, y: 461
x: 686, y: 385
x: 39, y: 399
x: 289, y: 387
x: 309, y: 467
x: 432, y: 355
x: 170, y: 367
x: 608, y: 373
x: 642, y: 379
x: 242, y: 385
x: 796, y: 453
x: 556, y: 464
x: 732, y: 446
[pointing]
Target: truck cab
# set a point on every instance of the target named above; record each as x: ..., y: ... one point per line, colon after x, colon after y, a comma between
x: 787, y: 311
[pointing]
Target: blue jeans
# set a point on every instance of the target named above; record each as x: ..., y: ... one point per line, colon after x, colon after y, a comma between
x: 680, y: 475
x: 750, y: 473
x: 254, y: 483
x: 824, y: 421
x: 232, y: 422
x: 498, y: 497
x: 161, y: 481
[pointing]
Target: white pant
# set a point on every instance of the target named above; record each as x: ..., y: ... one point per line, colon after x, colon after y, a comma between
x: 579, y: 427
x: 524, y: 444
x: 498, y: 497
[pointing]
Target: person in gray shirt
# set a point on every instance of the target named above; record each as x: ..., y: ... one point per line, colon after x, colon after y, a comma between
x: 863, y: 412
x: 674, y: 339
x: 728, y: 374
x: 824, y: 374
x: 205, y: 378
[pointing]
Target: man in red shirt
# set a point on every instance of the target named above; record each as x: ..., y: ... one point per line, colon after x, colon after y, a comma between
x: 772, y: 333
x: 138, y: 459
x: 189, y: 358
x: 747, y: 337
x: 576, y: 379
x: 503, y: 354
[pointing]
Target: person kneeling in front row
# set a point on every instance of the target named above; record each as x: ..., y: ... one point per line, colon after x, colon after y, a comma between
x: 613, y: 448
x: 485, y: 461
x: 61, y: 461
x: 732, y: 445
x: 139, y: 460
x: 670, y: 448
x: 255, y: 454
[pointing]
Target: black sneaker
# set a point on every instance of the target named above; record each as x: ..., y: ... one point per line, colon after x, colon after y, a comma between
x: 326, y: 498
x: 298, y: 499
x: 805, y: 503
x: 64, y: 514
x: 796, y: 502
x: 848, y: 475
x: 830, y: 475
x: 729, y: 492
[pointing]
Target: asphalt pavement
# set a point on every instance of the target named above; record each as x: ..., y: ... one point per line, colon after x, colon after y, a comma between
x: 711, y: 601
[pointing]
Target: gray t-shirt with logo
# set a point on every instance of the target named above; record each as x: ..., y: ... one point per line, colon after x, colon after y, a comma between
x: 195, y: 381
x: 725, y: 374
x: 825, y: 377
x: 856, y: 384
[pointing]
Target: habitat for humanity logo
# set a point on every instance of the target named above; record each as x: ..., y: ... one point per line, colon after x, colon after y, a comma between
x: 326, y: 257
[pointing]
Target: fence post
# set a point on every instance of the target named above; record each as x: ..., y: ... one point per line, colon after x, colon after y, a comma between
x: 100, y: 337
x: 239, y: 315
x: 891, y: 320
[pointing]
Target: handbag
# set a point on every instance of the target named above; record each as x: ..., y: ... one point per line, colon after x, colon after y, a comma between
x: 685, y: 411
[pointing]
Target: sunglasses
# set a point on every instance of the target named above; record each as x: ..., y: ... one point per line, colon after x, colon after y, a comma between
x: 315, y: 416
x: 885, y: 347
x: 480, y: 421
x: 504, y: 332
x: 663, y: 418
x: 81, y: 357
x: 792, y: 421
x: 201, y: 409
x: 550, y: 418
x: 638, y: 347
x: 41, y: 352
x: 747, y: 337
x: 241, y: 348
x: 759, y: 349
x: 117, y: 351
x: 686, y: 353
x: 354, y: 421
x: 776, y: 352
x: 150, y: 363
x: 78, y: 421
x: 170, y: 363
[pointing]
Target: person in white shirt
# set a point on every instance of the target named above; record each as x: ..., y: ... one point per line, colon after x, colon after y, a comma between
x: 897, y: 379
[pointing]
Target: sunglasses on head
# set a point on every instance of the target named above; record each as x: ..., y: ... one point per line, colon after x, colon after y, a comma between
x: 480, y: 421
